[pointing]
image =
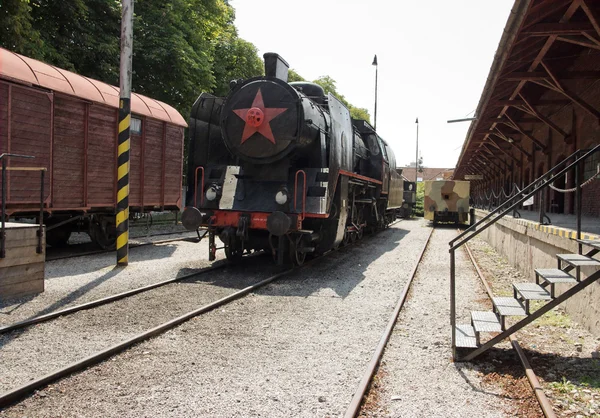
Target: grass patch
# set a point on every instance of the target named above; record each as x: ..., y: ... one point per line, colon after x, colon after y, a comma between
x: 564, y: 386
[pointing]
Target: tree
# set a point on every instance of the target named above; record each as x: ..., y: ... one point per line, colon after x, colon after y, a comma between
x: 294, y: 76
x: 329, y: 86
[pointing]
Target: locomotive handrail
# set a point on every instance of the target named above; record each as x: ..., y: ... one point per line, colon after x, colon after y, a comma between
x: 303, y: 192
x: 196, y: 187
x: 42, y: 170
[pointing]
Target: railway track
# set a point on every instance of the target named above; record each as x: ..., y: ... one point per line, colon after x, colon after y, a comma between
x: 363, y: 386
x: 26, y: 389
x: 545, y: 404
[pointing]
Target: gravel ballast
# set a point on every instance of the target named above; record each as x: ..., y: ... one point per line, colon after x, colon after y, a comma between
x: 417, y: 377
x: 295, y: 348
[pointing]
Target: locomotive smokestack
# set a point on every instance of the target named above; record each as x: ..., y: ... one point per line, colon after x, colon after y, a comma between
x: 275, y: 66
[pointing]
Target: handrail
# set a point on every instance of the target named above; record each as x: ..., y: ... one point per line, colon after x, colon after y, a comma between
x: 303, y: 192
x: 196, y: 187
x: 543, y: 185
x: 489, y: 215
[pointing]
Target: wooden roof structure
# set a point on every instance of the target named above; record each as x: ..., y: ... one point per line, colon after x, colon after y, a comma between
x: 548, y: 59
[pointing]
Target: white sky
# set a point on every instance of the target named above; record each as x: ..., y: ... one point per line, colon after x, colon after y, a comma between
x: 434, y: 57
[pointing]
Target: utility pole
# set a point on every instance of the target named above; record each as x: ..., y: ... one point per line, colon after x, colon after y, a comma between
x: 417, y: 154
x: 122, y: 220
x: 375, y: 116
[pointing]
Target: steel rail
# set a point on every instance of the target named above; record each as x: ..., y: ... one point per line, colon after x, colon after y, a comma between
x: 19, y: 393
x: 12, y: 396
x: 545, y: 404
x: 357, y: 399
x: 103, y: 301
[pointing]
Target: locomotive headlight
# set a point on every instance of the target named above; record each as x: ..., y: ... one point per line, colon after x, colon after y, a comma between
x: 281, y: 197
x: 211, y: 193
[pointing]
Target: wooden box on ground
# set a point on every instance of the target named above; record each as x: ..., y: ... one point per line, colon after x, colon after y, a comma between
x: 22, y: 270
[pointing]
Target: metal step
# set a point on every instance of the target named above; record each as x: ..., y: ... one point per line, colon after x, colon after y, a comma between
x: 577, y: 260
x: 465, y: 336
x: 485, y: 321
x: 553, y: 276
x: 594, y: 243
x: 508, y: 306
x: 531, y: 291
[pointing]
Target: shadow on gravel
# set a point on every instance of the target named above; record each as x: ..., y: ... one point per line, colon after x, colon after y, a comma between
x: 71, y: 297
x: 80, y: 265
x: 556, y: 368
x: 322, y: 274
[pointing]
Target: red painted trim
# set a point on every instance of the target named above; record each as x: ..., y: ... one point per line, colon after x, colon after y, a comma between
x: 358, y: 176
x: 317, y: 215
x: 258, y: 220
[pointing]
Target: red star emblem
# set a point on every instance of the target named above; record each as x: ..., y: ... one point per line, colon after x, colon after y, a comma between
x: 257, y: 118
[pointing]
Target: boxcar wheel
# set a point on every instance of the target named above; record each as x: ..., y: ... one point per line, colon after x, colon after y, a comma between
x: 104, y: 232
x: 58, y: 237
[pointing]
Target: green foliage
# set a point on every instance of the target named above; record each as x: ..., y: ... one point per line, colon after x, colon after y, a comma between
x: 180, y: 47
x: 329, y: 86
x: 294, y: 76
x: 419, y: 206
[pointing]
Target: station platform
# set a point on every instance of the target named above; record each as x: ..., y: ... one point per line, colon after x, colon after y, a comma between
x: 560, y: 223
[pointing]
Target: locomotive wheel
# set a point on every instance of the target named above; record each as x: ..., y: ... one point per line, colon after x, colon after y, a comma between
x: 298, y: 257
x: 360, y: 232
x: 346, y: 240
x: 234, y: 251
x: 353, y: 237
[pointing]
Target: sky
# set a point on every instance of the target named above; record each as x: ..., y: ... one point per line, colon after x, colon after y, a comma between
x: 434, y: 58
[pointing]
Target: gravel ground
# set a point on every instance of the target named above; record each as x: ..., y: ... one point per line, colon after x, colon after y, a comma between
x: 77, y: 280
x: 417, y: 377
x: 296, y: 348
x: 41, y: 349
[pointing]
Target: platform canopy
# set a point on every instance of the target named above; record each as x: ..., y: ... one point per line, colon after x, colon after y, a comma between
x: 541, y: 100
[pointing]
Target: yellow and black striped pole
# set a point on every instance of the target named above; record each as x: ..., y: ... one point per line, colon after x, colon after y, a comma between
x: 122, y: 220
x: 123, y: 183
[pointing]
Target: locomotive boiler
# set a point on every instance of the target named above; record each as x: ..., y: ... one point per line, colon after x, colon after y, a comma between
x: 283, y: 167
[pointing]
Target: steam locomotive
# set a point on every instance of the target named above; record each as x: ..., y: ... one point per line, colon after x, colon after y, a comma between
x: 283, y: 167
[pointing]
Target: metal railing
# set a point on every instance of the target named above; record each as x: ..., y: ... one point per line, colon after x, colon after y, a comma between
x: 4, y: 158
x: 509, y: 205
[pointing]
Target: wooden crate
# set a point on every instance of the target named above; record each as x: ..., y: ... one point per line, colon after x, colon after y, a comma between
x: 22, y: 270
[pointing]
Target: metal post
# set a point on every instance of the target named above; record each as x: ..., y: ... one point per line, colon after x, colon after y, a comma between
x: 122, y: 218
x: 453, y: 301
x: 41, y: 227
x: 417, y: 154
x: 376, y: 68
x: 578, y: 201
x: 3, y: 214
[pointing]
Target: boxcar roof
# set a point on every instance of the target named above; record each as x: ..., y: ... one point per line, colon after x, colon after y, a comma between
x: 32, y: 72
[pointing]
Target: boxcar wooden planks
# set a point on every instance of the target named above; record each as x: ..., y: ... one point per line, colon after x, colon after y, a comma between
x: 22, y: 270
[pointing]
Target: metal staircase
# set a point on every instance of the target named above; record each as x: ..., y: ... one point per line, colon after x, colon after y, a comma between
x: 466, y: 338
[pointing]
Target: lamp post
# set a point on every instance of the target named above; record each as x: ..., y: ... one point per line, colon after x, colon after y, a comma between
x: 375, y: 116
x: 417, y: 154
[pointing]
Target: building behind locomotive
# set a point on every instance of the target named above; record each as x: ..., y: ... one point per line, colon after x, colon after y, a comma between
x: 447, y: 201
x: 281, y: 166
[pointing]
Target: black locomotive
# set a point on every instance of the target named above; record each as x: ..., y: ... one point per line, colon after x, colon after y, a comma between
x: 283, y: 167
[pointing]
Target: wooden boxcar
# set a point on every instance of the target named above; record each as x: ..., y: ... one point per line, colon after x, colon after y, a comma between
x: 69, y: 124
